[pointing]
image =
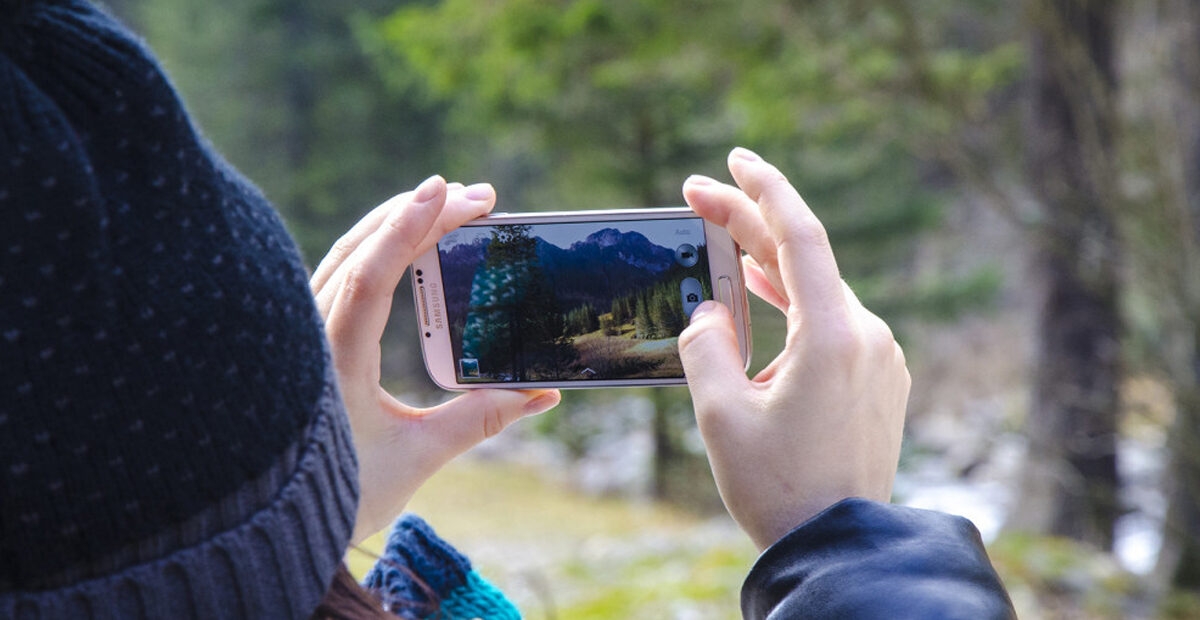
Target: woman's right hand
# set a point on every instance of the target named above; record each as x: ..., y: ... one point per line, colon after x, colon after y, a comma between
x: 823, y: 421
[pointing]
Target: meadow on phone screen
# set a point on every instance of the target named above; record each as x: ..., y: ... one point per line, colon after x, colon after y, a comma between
x: 579, y: 301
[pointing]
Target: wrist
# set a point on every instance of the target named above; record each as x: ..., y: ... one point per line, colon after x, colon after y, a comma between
x: 771, y: 527
x: 384, y: 491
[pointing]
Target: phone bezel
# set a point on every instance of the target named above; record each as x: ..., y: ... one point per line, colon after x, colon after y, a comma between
x: 724, y: 260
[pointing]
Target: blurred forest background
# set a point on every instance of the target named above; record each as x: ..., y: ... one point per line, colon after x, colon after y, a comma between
x: 1015, y: 186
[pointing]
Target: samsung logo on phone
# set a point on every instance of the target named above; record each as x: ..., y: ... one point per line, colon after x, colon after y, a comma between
x: 435, y: 298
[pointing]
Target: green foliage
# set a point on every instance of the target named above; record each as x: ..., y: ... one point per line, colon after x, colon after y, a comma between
x: 582, y: 320
x: 646, y: 328
x: 621, y: 311
x: 942, y: 300
x: 287, y: 94
x: 620, y: 99
x: 666, y: 309
x: 624, y: 99
x: 866, y: 105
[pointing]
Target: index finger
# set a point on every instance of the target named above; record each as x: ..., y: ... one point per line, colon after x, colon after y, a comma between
x: 730, y: 208
x: 349, y: 242
x: 806, y: 263
x: 363, y: 300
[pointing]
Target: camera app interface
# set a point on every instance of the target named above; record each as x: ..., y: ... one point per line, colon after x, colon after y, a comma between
x: 576, y: 301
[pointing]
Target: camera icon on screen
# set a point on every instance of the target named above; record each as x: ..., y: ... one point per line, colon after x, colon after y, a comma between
x: 691, y: 293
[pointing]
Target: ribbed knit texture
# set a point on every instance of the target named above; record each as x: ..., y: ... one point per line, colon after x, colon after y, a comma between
x: 275, y: 562
x: 415, y: 552
x: 172, y: 443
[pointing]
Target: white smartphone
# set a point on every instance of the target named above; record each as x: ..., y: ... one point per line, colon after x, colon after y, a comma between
x: 574, y: 299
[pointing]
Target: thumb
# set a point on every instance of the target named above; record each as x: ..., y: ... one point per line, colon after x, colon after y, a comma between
x: 465, y: 421
x: 712, y: 362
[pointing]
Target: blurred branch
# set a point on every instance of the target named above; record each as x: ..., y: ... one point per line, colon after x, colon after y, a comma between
x: 950, y: 149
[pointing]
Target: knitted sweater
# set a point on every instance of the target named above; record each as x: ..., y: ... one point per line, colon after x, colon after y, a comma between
x: 419, y: 570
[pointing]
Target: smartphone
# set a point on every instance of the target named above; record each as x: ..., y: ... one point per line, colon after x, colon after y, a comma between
x: 578, y: 299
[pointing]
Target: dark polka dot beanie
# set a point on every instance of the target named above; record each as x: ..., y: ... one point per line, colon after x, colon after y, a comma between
x: 172, y: 442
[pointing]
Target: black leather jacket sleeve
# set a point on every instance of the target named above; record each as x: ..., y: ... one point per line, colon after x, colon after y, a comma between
x: 865, y: 559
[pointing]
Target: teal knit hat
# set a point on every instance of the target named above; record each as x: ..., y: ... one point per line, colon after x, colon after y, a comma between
x: 172, y: 441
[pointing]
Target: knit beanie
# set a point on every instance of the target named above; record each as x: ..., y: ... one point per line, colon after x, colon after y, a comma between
x: 172, y: 441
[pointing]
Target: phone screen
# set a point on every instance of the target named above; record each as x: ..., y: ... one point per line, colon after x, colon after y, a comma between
x: 578, y: 301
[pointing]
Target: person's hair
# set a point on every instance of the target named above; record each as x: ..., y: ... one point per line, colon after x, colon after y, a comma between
x: 347, y: 600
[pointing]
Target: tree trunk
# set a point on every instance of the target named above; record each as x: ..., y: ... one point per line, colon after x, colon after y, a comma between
x: 666, y: 451
x: 1070, y: 486
x: 1179, y: 559
x: 1070, y: 483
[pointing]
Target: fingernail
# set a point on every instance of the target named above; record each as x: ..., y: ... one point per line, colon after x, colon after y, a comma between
x: 428, y: 189
x: 542, y: 403
x: 704, y: 308
x: 699, y: 179
x: 746, y: 154
x: 480, y: 191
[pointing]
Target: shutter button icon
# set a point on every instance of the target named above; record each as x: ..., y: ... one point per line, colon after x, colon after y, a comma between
x: 691, y: 293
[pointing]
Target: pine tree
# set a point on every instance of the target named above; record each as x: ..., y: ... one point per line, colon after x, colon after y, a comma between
x: 591, y: 320
x: 511, y: 314
x: 572, y: 322
x: 618, y: 315
x: 554, y: 344
x: 645, y: 326
x: 666, y: 311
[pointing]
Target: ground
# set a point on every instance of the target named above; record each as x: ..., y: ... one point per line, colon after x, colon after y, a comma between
x: 559, y: 554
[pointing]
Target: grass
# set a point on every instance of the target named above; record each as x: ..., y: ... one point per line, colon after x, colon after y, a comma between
x: 559, y: 554
x: 622, y: 355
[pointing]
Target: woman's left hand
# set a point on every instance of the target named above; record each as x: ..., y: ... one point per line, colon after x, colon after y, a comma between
x: 399, y: 446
